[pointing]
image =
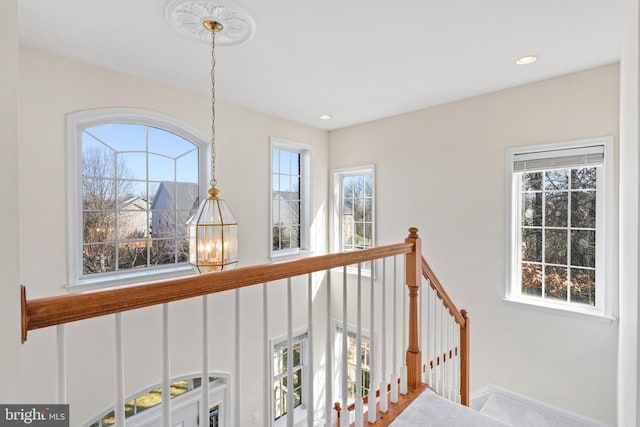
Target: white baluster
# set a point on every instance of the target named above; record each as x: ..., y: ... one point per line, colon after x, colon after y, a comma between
x: 268, y: 359
x: 166, y: 376
x: 432, y: 338
x: 61, y: 393
x: 394, y: 370
x: 449, y: 356
x: 358, y: 402
x: 421, y: 330
x: 456, y: 364
x: 384, y: 394
x: 371, y: 407
x: 204, y: 373
x: 119, y: 403
x: 455, y: 360
x: 309, y: 377
x: 290, y: 397
x: 442, y: 347
x: 445, y: 355
x: 328, y: 404
x: 452, y: 344
x: 344, y: 414
x: 438, y: 359
x: 452, y: 363
x: 237, y: 367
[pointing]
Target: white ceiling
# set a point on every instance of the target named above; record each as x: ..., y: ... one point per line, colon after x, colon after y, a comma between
x: 358, y: 60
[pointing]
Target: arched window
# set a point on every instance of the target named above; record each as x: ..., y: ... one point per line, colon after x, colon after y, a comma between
x: 134, y: 181
x: 144, y: 408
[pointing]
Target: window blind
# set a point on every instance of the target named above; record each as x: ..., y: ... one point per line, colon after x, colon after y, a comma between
x: 559, y: 159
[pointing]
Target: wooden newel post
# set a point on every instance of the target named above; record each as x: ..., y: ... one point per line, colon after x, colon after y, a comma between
x: 414, y: 277
x: 464, y: 359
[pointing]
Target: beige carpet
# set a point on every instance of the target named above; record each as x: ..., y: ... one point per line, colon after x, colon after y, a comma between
x: 431, y: 410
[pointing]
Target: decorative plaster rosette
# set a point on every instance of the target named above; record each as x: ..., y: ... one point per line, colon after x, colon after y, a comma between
x: 187, y: 16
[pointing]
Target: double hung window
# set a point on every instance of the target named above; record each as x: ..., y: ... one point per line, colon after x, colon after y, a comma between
x: 290, y: 197
x: 281, y: 400
x: 559, y: 197
x: 353, y: 215
x: 352, y: 361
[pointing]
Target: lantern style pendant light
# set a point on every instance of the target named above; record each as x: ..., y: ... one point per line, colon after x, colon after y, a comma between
x: 212, y: 230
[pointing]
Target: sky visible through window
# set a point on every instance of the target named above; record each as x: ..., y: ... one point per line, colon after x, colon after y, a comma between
x: 132, y: 139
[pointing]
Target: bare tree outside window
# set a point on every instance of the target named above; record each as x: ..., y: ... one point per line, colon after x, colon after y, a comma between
x: 357, y: 211
x: 558, y: 234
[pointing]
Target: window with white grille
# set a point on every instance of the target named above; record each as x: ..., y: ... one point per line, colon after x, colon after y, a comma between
x: 354, y: 203
x: 134, y: 181
x: 282, y: 402
x: 558, y: 230
x: 290, y: 197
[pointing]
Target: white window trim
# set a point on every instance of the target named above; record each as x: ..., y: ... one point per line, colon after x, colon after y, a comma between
x: 602, y: 313
x: 335, y: 223
x: 218, y: 395
x: 78, y: 121
x: 299, y: 413
x: 306, y: 248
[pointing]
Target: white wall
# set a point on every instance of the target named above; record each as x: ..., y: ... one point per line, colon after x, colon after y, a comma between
x: 9, y: 255
x: 628, y: 372
x: 442, y: 170
x: 52, y: 86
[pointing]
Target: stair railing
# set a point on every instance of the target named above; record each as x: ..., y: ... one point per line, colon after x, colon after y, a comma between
x: 60, y: 310
x: 435, y: 325
x: 445, y: 333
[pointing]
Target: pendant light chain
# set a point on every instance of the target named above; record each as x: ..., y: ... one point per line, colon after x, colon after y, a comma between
x: 213, y: 230
x: 213, y: 110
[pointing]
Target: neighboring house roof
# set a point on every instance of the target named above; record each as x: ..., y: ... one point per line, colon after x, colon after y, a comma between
x: 184, y: 195
x: 165, y: 221
x: 289, y: 204
x: 135, y: 204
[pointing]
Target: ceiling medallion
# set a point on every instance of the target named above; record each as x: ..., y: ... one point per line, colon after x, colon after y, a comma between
x: 188, y: 16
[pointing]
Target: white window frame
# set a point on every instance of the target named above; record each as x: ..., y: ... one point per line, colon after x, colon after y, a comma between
x: 305, y: 152
x: 76, y: 123
x: 336, y: 210
x: 605, y: 206
x: 300, y: 412
x: 365, y: 336
x: 218, y: 396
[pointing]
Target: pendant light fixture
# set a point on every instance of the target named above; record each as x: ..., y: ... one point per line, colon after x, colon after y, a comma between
x: 212, y: 230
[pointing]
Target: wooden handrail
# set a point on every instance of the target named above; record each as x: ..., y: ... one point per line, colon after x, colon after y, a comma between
x: 428, y: 273
x: 51, y: 311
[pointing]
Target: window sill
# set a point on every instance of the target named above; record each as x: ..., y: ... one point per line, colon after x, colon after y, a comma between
x: 353, y: 271
x: 130, y: 277
x: 558, y: 309
x: 289, y: 255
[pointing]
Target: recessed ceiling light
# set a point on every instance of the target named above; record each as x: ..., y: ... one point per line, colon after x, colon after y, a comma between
x: 326, y: 117
x: 526, y: 60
